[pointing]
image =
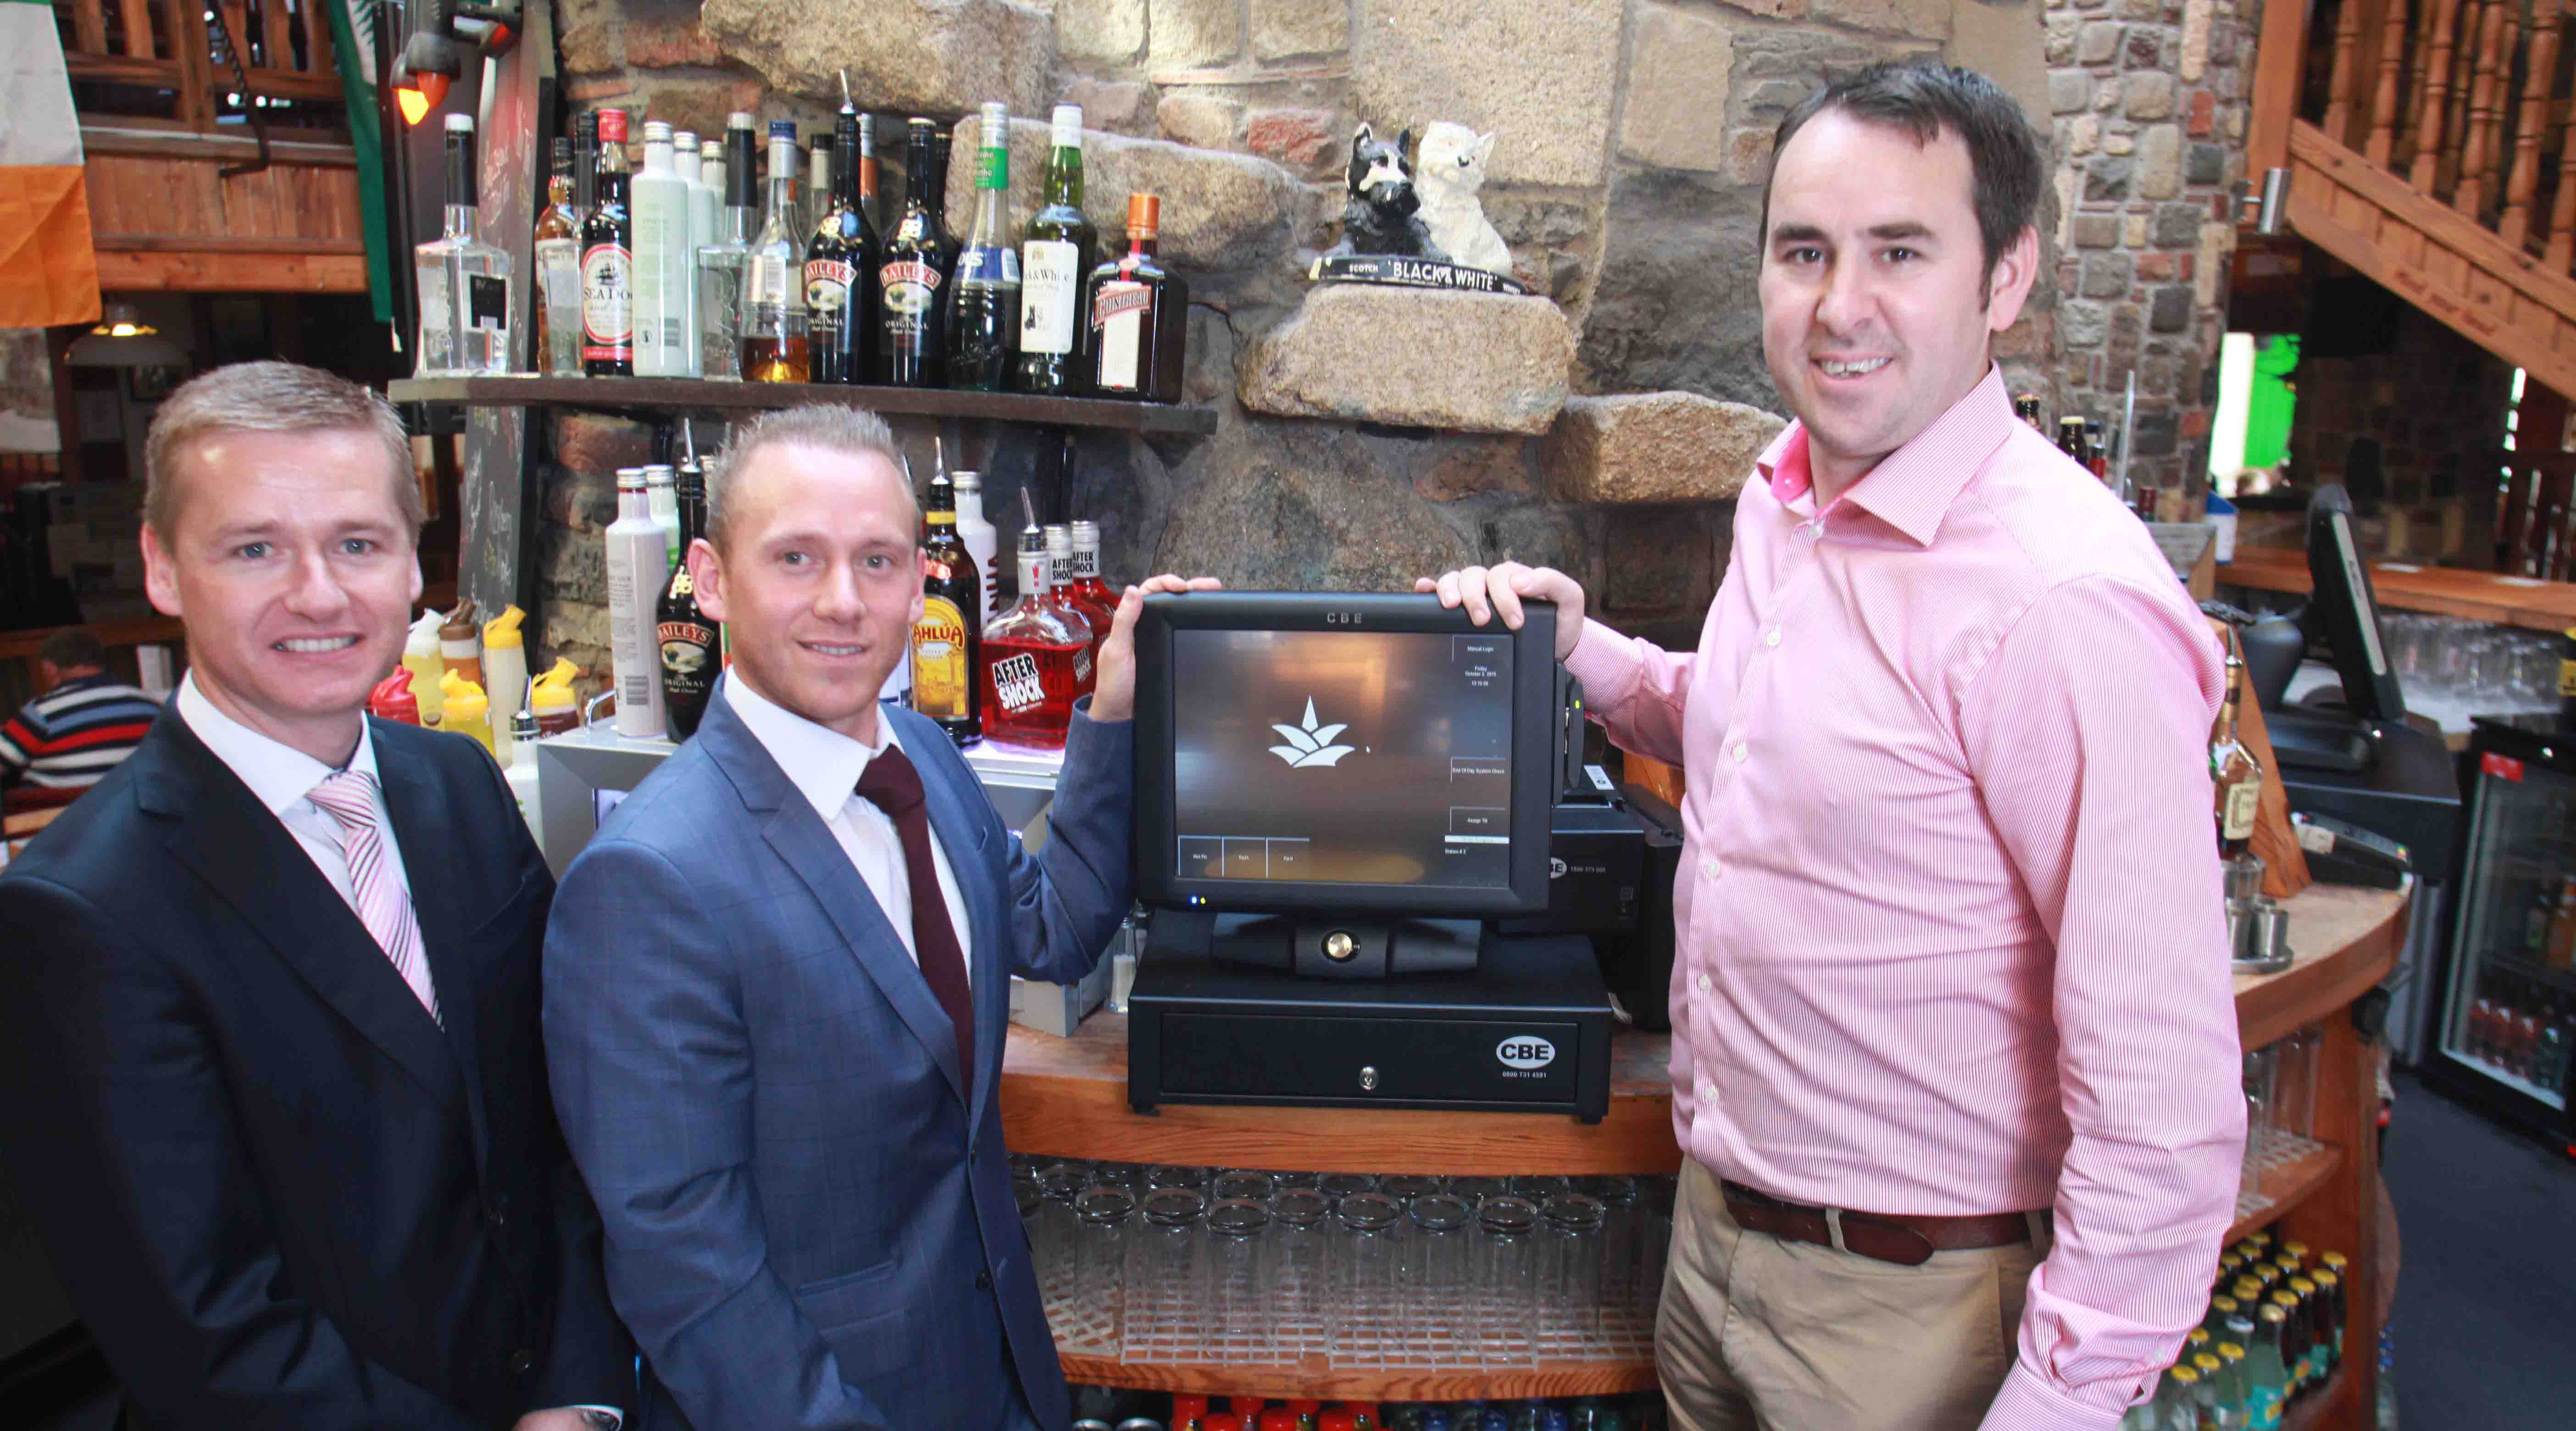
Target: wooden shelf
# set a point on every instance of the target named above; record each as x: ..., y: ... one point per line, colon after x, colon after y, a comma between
x: 1547, y: 1379
x: 662, y: 394
x: 2287, y: 1186
x: 2344, y: 939
x: 2442, y: 591
x: 1067, y: 1098
x: 2320, y: 1406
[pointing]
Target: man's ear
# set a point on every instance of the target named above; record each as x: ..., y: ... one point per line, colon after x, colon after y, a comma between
x: 2008, y: 283
x: 160, y: 575
x: 706, y: 578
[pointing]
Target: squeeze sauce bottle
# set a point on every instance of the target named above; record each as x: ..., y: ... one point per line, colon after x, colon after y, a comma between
x: 466, y: 711
x: 552, y: 702
x: 392, y: 698
x: 420, y: 657
x: 505, y: 676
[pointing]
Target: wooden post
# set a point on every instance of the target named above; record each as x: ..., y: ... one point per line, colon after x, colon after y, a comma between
x: 2538, y: 76
x: 2278, y: 58
x: 2436, y: 102
x: 2343, y: 1216
x: 2339, y: 83
x: 2482, y: 99
x: 2384, y: 103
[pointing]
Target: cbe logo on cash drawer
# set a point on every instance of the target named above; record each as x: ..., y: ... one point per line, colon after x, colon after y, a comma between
x: 1525, y: 1054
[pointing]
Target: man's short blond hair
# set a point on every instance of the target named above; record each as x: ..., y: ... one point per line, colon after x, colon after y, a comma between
x: 850, y: 431
x: 268, y: 397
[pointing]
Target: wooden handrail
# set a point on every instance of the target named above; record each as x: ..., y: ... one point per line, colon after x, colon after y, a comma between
x: 184, y: 64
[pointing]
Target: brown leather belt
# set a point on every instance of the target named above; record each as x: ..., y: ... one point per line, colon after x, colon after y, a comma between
x: 1905, y: 1241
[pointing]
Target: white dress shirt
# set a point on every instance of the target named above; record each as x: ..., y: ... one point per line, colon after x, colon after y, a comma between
x: 282, y: 776
x: 825, y: 766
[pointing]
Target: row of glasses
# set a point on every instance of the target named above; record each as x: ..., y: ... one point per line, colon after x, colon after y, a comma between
x: 2446, y: 664
x: 1176, y: 1262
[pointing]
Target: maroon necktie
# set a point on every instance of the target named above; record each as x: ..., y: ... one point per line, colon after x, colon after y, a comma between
x: 892, y: 784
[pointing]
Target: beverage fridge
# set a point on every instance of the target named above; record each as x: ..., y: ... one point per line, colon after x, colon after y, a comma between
x: 2508, y: 1012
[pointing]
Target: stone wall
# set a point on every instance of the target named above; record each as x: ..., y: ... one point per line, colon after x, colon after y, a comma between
x: 2150, y: 102
x: 1632, y: 139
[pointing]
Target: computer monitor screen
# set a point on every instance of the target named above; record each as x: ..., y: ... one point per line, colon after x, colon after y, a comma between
x: 1401, y: 763
x: 2345, y: 612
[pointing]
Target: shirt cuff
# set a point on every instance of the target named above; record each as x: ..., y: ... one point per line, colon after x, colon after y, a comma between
x: 1606, y: 663
x: 2029, y: 1403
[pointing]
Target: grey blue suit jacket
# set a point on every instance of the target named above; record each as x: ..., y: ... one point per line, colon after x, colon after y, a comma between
x: 809, y: 1214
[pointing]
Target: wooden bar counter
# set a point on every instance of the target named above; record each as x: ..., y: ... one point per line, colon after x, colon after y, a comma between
x: 2443, y: 591
x: 1067, y: 1097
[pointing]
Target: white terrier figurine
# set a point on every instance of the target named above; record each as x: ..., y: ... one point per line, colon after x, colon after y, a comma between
x: 1451, y: 169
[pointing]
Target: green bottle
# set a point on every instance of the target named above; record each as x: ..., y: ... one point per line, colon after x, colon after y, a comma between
x: 1057, y: 251
x: 2267, y: 1380
x: 2218, y: 1413
x: 2231, y: 1379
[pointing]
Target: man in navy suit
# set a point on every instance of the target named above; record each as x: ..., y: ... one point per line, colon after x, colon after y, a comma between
x: 776, y: 985
x: 269, y: 996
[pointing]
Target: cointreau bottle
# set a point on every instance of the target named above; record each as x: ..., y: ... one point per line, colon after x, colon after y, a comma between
x: 1139, y: 315
x: 1037, y: 659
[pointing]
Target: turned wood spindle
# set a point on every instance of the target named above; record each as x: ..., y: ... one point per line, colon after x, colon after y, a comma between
x: 2339, y: 85
x: 2538, y: 75
x: 2482, y: 97
x: 2562, y: 211
x: 2435, y: 103
x: 2384, y: 103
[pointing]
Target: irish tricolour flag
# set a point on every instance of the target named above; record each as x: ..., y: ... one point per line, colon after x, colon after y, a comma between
x: 48, y: 273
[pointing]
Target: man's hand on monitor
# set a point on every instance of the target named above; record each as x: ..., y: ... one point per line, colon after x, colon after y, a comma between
x: 1114, y: 698
x: 1487, y: 590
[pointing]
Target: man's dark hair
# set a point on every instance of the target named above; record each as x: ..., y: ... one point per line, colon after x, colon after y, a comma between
x: 72, y: 650
x: 1924, y: 99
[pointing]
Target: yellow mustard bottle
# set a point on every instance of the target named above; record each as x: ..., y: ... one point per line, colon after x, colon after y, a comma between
x: 467, y: 713
x: 552, y: 702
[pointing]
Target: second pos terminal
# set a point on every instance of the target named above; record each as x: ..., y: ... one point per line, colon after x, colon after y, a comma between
x: 1337, y: 798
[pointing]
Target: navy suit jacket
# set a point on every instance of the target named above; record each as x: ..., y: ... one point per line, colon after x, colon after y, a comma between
x: 279, y: 1193
x: 809, y: 1213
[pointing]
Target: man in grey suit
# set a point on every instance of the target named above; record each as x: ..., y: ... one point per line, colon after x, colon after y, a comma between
x: 776, y: 984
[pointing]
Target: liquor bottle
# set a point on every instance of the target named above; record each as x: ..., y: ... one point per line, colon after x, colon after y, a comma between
x: 2026, y: 407
x: 980, y: 538
x: 939, y: 143
x: 773, y: 327
x: 557, y: 250
x: 665, y: 344
x: 724, y: 264
x: 635, y: 571
x: 945, y: 642
x: 2232, y: 768
x: 814, y: 200
x: 689, y: 161
x: 585, y: 164
x: 607, y: 261
x: 1059, y: 547
x: 1036, y: 661
x: 662, y: 504
x: 464, y: 282
x: 869, y: 206
x: 1089, y: 594
x: 984, y: 286
x: 1056, y: 253
x: 688, y: 642
x: 2070, y: 440
x: 839, y: 259
x: 711, y: 173
x: 911, y: 318
x: 1138, y: 313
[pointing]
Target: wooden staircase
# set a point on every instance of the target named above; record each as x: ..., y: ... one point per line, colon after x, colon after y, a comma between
x: 2437, y: 160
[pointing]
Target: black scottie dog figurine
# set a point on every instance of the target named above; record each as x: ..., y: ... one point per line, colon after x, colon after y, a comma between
x: 1382, y: 215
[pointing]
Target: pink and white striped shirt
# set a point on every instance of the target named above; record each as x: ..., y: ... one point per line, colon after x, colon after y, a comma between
x: 1949, y: 909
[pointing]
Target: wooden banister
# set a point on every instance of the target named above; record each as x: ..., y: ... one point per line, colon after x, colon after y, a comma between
x: 2540, y: 74
x: 2562, y: 213
x: 2384, y: 103
x: 138, y: 28
x: 2436, y: 102
x: 89, y: 26
x: 2477, y: 134
x: 2339, y: 83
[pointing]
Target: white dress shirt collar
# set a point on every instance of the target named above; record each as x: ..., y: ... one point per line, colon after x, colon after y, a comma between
x: 824, y: 765
x: 277, y: 773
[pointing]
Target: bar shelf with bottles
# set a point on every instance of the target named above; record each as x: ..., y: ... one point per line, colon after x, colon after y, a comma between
x: 667, y: 288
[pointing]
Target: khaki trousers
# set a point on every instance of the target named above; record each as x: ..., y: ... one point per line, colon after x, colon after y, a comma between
x: 1789, y: 1336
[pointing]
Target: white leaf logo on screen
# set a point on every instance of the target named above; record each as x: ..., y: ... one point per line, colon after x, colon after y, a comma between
x: 1311, y: 745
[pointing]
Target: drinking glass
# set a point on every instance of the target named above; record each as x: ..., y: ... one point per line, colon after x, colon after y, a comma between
x: 1365, y: 1308
x: 1058, y: 1185
x: 1654, y: 1244
x: 1299, y: 1269
x: 1176, y: 1175
x: 2261, y: 1067
x: 1106, y: 1218
x: 1235, y: 1280
x: 1507, y: 1276
x: 1405, y: 1187
x: 1618, y: 1199
x: 1436, y: 1295
x: 1341, y: 1185
x: 1162, y: 1318
x: 1476, y: 1190
x: 1240, y: 1184
x: 1128, y: 1178
x: 1569, y: 1270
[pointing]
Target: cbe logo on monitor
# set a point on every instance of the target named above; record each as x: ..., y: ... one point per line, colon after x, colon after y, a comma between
x: 1525, y: 1053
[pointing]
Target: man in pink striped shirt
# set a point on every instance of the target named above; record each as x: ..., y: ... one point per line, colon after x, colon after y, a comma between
x: 1954, y: 1052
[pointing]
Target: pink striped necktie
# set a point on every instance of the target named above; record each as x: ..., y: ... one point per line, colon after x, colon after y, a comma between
x: 349, y: 798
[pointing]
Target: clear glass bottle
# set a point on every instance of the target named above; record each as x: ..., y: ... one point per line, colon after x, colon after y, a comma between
x: 724, y: 265
x: 557, y: 252
x: 1036, y: 659
x: 984, y: 292
x: 773, y: 331
x: 464, y: 281
x: 2233, y: 771
x: 2267, y: 1373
